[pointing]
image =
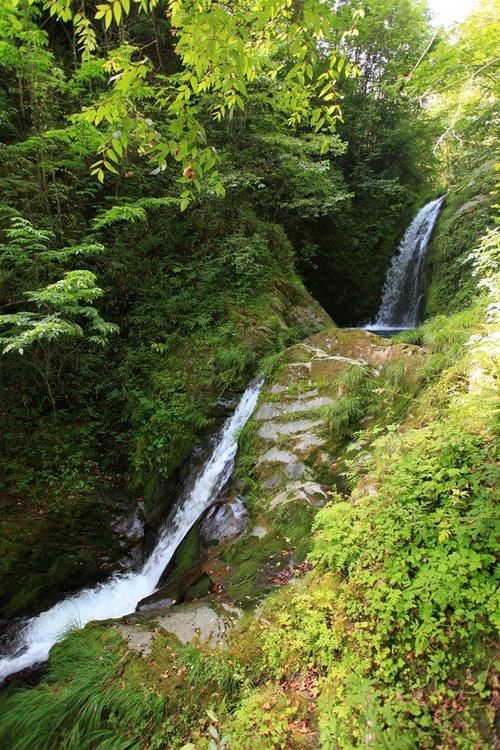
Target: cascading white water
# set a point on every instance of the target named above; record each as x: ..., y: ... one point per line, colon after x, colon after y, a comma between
x: 120, y: 594
x: 404, y: 286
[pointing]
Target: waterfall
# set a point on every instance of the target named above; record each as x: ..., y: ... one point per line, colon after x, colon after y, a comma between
x: 120, y: 594
x: 404, y: 287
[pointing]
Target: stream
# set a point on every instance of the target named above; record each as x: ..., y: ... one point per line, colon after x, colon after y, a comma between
x: 400, y: 309
x: 120, y: 595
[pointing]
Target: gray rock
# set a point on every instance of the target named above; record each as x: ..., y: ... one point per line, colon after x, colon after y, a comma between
x: 308, y: 394
x: 200, y: 620
x: 224, y: 522
x: 271, y: 430
x: 277, y: 388
x: 269, y: 410
x: 138, y: 640
x: 310, y: 492
x: 187, y: 621
x: 295, y: 471
x: 276, y: 455
x: 259, y: 531
x: 269, y: 484
x: 309, y: 441
x: 130, y: 528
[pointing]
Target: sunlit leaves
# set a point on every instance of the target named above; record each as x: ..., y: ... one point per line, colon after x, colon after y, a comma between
x: 84, y: 30
x: 60, y: 8
x: 85, y: 33
x: 129, y: 214
x: 223, y: 51
x: 63, y: 308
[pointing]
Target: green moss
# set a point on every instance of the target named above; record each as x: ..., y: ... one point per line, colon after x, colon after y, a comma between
x: 254, y: 561
x: 199, y: 590
x: 187, y: 554
x: 465, y: 217
x: 43, y: 554
x: 184, y: 570
x: 293, y: 523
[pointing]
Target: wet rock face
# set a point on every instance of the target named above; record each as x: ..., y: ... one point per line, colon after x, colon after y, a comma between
x: 223, y: 522
x: 189, y: 574
x: 291, y: 420
x: 291, y: 429
x: 44, y: 555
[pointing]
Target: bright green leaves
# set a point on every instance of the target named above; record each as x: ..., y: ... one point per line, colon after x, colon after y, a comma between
x: 117, y: 113
x: 238, y: 47
x: 64, y: 308
x: 85, y: 33
x: 223, y: 51
x: 60, y: 306
x: 25, y: 243
x: 115, y: 10
x: 129, y: 214
x: 84, y: 30
x: 110, y: 10
x: 76, y: 286
x: 60, y: 8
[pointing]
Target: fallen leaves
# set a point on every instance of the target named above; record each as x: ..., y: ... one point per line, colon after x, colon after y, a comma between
x: 290, y: 572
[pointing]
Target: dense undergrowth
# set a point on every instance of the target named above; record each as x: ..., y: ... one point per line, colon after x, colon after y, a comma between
x: 125, y: 419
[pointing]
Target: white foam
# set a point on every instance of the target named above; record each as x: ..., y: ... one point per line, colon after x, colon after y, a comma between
x: 404, y: 288
x: 120, y: 594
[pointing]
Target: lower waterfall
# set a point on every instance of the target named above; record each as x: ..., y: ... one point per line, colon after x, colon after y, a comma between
x: 120, y: 594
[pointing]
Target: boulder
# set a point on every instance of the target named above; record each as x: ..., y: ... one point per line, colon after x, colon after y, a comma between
x: 223, y: 522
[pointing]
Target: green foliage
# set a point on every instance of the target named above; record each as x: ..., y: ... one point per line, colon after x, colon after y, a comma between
x: 464, y: 104
x: 129, y: 214
x: 424, y: 550
x: 60, y: 306
x: 466, y: 216
x: 91, y: 709
x: 164, y: 425
x: 300, y: 636
x: 460, y: 75
x: 222, y: 54
x: 267, y: 720
x: 355, y: 387
x: 394, y: 626
x: 232, y: 364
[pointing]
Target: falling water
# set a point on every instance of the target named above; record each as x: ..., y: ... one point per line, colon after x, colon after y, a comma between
x: 120, y: 594
x: 404, y: 287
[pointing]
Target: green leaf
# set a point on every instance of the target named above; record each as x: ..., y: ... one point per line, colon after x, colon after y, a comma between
x: 117, y: 11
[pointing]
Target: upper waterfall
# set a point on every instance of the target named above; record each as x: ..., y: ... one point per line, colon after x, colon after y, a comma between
x: 120, y: 594
x: 404, y: 287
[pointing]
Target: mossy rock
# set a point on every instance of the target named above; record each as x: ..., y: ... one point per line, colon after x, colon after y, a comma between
x: 44, y: 554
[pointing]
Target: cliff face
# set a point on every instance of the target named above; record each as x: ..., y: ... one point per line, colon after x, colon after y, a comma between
x: 467, y: 213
